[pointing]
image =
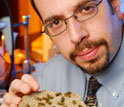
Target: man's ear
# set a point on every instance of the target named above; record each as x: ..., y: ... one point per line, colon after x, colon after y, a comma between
x: 116, y: 6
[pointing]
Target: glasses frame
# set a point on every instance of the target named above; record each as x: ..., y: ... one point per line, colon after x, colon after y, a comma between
x: 65, y: 20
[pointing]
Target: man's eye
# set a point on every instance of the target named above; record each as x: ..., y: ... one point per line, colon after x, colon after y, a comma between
x: 55, y: 23
x: 87, y: 9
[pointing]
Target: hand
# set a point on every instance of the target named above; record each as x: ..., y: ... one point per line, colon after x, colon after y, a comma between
x: 18, y: 88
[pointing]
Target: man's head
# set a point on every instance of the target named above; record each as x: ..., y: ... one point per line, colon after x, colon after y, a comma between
x: 91, y: 43
x: 34, y: 6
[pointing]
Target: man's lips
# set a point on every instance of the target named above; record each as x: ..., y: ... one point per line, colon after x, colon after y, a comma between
x: 88, y: 54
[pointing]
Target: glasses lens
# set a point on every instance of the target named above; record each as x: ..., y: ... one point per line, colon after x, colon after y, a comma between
x: 56, y: 27
x: 86, y: 12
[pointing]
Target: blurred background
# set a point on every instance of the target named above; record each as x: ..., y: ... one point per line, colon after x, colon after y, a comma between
x: 122, y: 6
x: 22, y: 46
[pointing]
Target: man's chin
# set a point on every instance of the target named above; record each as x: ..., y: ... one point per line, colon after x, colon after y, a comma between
x: 95, y: 66
x: 93, y: 72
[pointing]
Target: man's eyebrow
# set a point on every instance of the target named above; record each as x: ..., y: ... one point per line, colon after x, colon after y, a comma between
x: 53, y: 17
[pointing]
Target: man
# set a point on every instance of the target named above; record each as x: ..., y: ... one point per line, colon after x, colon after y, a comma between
x: 89, y: 35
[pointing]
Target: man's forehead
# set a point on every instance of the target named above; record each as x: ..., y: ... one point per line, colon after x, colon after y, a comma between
x: 57, y: 3
x: 54, y: 6
x: 47, y: 8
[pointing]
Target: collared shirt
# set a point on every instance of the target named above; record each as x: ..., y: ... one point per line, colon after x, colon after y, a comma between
x: 58, y: 74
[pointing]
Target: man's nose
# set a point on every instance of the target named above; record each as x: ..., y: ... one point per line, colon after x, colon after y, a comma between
x: 76, y: 30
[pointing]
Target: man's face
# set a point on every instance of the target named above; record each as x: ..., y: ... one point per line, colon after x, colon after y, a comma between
x: 90, y: 44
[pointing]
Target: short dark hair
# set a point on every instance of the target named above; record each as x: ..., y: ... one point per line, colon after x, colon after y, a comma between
x: 112, y: 9
x: 34, y: 6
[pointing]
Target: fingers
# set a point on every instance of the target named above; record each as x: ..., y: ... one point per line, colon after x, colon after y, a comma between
x: 11, y: 99
x: 18, y: 86
x: 25, y: 85
x: 31, y: 81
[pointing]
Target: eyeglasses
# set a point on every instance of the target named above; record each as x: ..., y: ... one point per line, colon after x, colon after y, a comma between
x: 57, y: 25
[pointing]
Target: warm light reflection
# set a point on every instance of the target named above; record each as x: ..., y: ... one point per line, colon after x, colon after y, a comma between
x: 25, y: 61
x: 2, y: 41
x: 23, y: 17
x: 19, y: 56
x: 2, y: 37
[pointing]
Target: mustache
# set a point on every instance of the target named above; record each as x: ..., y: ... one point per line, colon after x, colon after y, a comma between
x: 86, y: 44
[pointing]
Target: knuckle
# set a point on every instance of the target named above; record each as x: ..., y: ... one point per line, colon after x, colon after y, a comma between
x: 25, y: 76
x: 14, y: 82
x: 14, y: 85
x: 28, y: 79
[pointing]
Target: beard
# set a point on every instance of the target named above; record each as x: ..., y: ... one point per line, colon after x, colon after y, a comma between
x: 96, y: 65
